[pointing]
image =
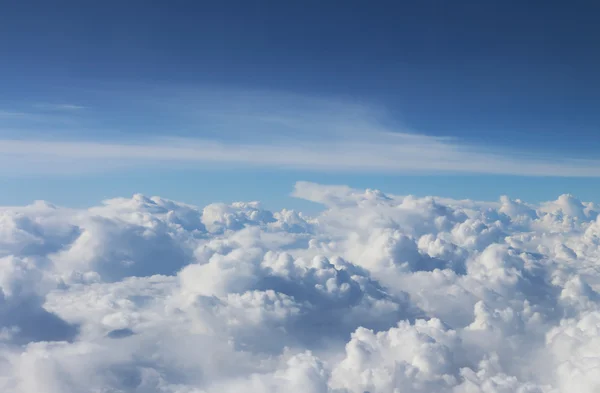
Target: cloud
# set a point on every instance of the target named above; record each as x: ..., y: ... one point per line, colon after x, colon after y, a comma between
x: 400, y: 155
x: 240, y: 129
x: 59, y: 107
x: 378, y: 293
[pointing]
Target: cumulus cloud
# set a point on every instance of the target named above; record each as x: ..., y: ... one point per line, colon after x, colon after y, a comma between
x: 378, y: 293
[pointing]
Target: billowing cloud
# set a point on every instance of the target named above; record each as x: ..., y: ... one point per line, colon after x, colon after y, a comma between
x: 378, y: 293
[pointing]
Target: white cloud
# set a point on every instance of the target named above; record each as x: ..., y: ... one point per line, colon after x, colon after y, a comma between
x: 378, y: 293
x: 377, y: 153
x: 59, y: 107
x: 257, y: 129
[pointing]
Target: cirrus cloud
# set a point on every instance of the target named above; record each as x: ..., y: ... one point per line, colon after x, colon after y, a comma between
x: 241, y: 129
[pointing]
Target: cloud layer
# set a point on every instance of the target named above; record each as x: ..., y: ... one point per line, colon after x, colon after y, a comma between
x: 375, y: 152
x: 378, y: 293
x: 241, y: 129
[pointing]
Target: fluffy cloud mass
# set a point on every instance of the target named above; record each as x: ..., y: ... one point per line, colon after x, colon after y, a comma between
x: 378, y: 293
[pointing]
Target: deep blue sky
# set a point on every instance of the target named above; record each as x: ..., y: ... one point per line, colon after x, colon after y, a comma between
x: 520, y: 75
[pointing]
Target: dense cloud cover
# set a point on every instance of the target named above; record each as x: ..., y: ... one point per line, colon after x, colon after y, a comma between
x: 378, y: 293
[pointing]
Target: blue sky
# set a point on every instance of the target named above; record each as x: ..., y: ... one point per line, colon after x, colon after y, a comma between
x: 222, y: 101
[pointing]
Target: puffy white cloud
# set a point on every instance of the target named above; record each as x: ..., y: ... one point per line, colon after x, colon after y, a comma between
x: 419, y: 357
x: 378, y: 293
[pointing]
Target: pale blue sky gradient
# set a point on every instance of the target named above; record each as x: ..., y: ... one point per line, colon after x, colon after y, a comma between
x: 227, y: 101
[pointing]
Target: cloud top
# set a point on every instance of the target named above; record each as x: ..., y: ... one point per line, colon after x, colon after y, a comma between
x: 378, y: 293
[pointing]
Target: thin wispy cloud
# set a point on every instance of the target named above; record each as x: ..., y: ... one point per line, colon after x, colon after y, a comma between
x: 58, y: 107
x: 10, y: 114
x: 49, y: 120
x: 274, y: 131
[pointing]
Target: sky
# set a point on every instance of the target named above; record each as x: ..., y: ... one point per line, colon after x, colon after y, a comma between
x: 224, y: 101
x: 299, y: 196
